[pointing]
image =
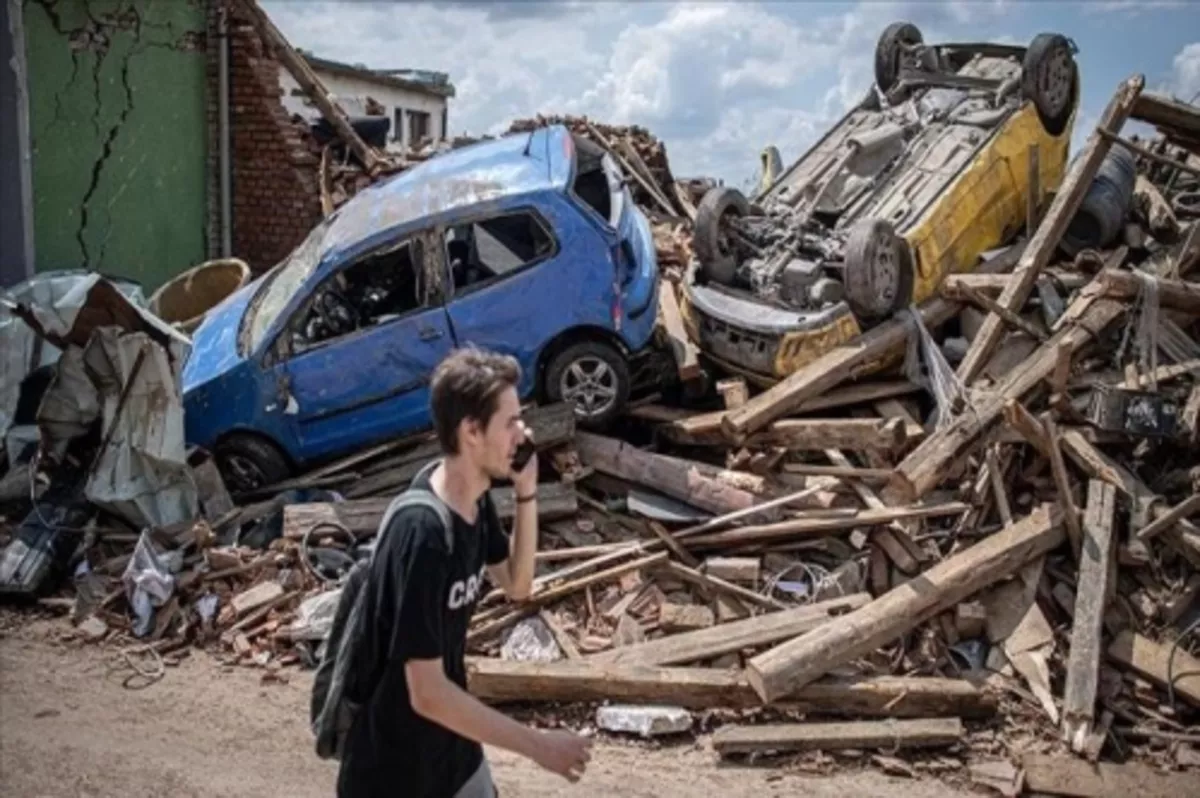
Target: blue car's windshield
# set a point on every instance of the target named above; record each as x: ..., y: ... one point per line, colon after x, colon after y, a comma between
x: 278, y: 289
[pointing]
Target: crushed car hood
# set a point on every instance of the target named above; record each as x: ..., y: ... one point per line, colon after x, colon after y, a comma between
x: 215, y: 342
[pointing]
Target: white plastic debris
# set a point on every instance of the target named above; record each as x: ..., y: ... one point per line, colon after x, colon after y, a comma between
x: 148, y: 584
x: 531, y: 641
x: 646, y: 721
x: 206, y: 605
x: 314, y: 617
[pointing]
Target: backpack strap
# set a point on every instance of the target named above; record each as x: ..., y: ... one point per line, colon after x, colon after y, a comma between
x: 419, y: 497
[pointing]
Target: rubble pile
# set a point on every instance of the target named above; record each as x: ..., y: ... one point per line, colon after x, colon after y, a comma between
x: 968, y: 530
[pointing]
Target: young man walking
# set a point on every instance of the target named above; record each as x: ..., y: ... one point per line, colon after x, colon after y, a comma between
x: 419, y: 734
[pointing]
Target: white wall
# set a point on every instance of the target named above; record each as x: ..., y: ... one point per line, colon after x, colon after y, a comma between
x: 352, y: 93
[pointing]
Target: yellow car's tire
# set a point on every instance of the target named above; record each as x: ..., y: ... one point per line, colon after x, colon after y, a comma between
x: 888, y: 51
x: 1049, y: 79
x: 878, y: 271
x: 714, y: 250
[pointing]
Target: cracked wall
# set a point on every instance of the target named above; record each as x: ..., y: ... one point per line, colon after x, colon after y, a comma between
x: 118, y: 135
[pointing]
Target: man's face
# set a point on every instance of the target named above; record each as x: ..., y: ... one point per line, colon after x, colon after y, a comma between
x: 492, y: 447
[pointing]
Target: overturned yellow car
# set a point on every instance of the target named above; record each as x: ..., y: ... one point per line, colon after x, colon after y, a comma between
x: 924, y: 175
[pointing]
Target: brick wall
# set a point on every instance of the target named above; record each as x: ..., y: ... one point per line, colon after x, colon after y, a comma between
x: 276, y: 194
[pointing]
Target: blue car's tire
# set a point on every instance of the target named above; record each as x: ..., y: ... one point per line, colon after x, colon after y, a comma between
x: 593, y: 375
x: 249, y: 462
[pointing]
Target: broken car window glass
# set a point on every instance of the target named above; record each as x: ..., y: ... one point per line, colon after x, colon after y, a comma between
x: 381, y: 287
x: 599, y: 182
x: 279, y: 288
x: 481, y: 251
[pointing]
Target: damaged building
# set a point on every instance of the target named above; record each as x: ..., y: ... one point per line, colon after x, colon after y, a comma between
x: 140, y: 139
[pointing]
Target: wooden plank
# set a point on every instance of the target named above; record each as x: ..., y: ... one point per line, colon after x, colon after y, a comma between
x: 255, y: 597
x: 821, y: 524
x: 310, y: 83
x: 500, y: 681
x: 733, y: 392
x: 1033, y: 198
x: 1168, y: 113
x: 1151, y: 660
x: 743, y: 570
x: 894, y: 408
x: 1061, y: 775
x: 1083, y: 661
x: 925, y: 466
x: 891, y: 734
x: 1044, y: 242
x: 687, y: 356
x: 694, y: 483
x: 726, y: 638
x: 787, y: 667
x: 855, y: 434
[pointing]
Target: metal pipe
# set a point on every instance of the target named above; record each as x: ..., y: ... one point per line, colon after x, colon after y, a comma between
x: 223, y: 133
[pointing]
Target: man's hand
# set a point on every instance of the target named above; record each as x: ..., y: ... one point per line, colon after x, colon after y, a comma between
x: 525, y: 480
x: 563, y: 753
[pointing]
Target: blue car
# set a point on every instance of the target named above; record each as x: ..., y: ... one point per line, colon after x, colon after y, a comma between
x: 528, y: 245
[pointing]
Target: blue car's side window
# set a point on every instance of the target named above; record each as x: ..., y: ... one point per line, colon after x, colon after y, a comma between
x: 385, y: 285
x: 483, y: 251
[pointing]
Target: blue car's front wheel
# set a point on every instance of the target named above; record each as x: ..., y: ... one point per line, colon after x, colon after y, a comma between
x: 249, y: 462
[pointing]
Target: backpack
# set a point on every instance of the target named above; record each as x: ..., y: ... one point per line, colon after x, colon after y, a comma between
x: 345, y: 675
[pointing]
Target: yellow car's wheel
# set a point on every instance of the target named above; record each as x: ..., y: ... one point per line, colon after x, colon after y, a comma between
x: 891, y: 52
x: 1048, y: 79
x: 878, y: 271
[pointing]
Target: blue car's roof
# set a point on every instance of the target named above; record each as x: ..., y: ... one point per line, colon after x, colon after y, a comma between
x: 458, y: 180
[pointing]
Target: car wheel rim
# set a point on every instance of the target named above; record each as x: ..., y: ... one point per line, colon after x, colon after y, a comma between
x: 885, y: 276
x: 244, y: 474
x: 591, y: 384
x: 1056, y: 81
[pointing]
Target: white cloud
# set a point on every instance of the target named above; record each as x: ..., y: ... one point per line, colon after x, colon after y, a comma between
x: 1130, y: 8
x: 1185, y: 72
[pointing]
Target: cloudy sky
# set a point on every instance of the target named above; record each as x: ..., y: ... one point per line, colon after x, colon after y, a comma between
x: 718, y: 81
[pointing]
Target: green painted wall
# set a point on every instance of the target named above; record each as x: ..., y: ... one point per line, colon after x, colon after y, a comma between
x: 118, y: 135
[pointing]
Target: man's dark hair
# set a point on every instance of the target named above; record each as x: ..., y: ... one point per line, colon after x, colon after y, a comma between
x: 466, y: 385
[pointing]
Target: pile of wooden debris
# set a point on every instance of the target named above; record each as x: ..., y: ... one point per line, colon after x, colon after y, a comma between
x: 1003, y: 567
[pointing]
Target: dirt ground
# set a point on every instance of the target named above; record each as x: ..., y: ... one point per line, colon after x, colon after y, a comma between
x: 68, y: 728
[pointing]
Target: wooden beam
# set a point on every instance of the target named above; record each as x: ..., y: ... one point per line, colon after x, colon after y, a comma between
x: 845, y: 473
x: 310, y: 83
x: 687, y: 356
x: 703, y: 644
x: 790, y: 666
x: 890, y: 734
x: 1174, y: 294
x: 1152, y: 156
x: 1083, y: 661
x: 1153, y: 660
x: 925, y: 466
x: 1185, y: 508
x: 691, y: 482
x: 996, y: 283
x: 1033, y: 198
x: 705, y: 580
x: 1169, y: 113
x: 500, y: 681
x: 706, y: 427
x: 1098, y: 465
x: 820, y: 524
x: 550, y: 425
x: 812, y: 434
x: 1009, y: 317
x: 1044, y: 242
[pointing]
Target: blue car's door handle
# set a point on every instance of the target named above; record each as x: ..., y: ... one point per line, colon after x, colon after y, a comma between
x: 429, y: 333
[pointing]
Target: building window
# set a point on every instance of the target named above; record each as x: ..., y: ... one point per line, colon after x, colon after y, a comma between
x: 418, y: 127
x: 398, y: 124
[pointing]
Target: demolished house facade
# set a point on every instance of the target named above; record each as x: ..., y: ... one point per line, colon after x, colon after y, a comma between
x: 958, y: 538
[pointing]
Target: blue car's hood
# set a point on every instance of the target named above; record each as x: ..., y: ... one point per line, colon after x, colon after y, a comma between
x: 214, y: 344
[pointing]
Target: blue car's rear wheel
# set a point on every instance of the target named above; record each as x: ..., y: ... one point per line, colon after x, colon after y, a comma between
x: 594, y: 376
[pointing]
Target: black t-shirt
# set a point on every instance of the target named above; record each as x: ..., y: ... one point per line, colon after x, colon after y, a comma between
x: 391, y: 750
